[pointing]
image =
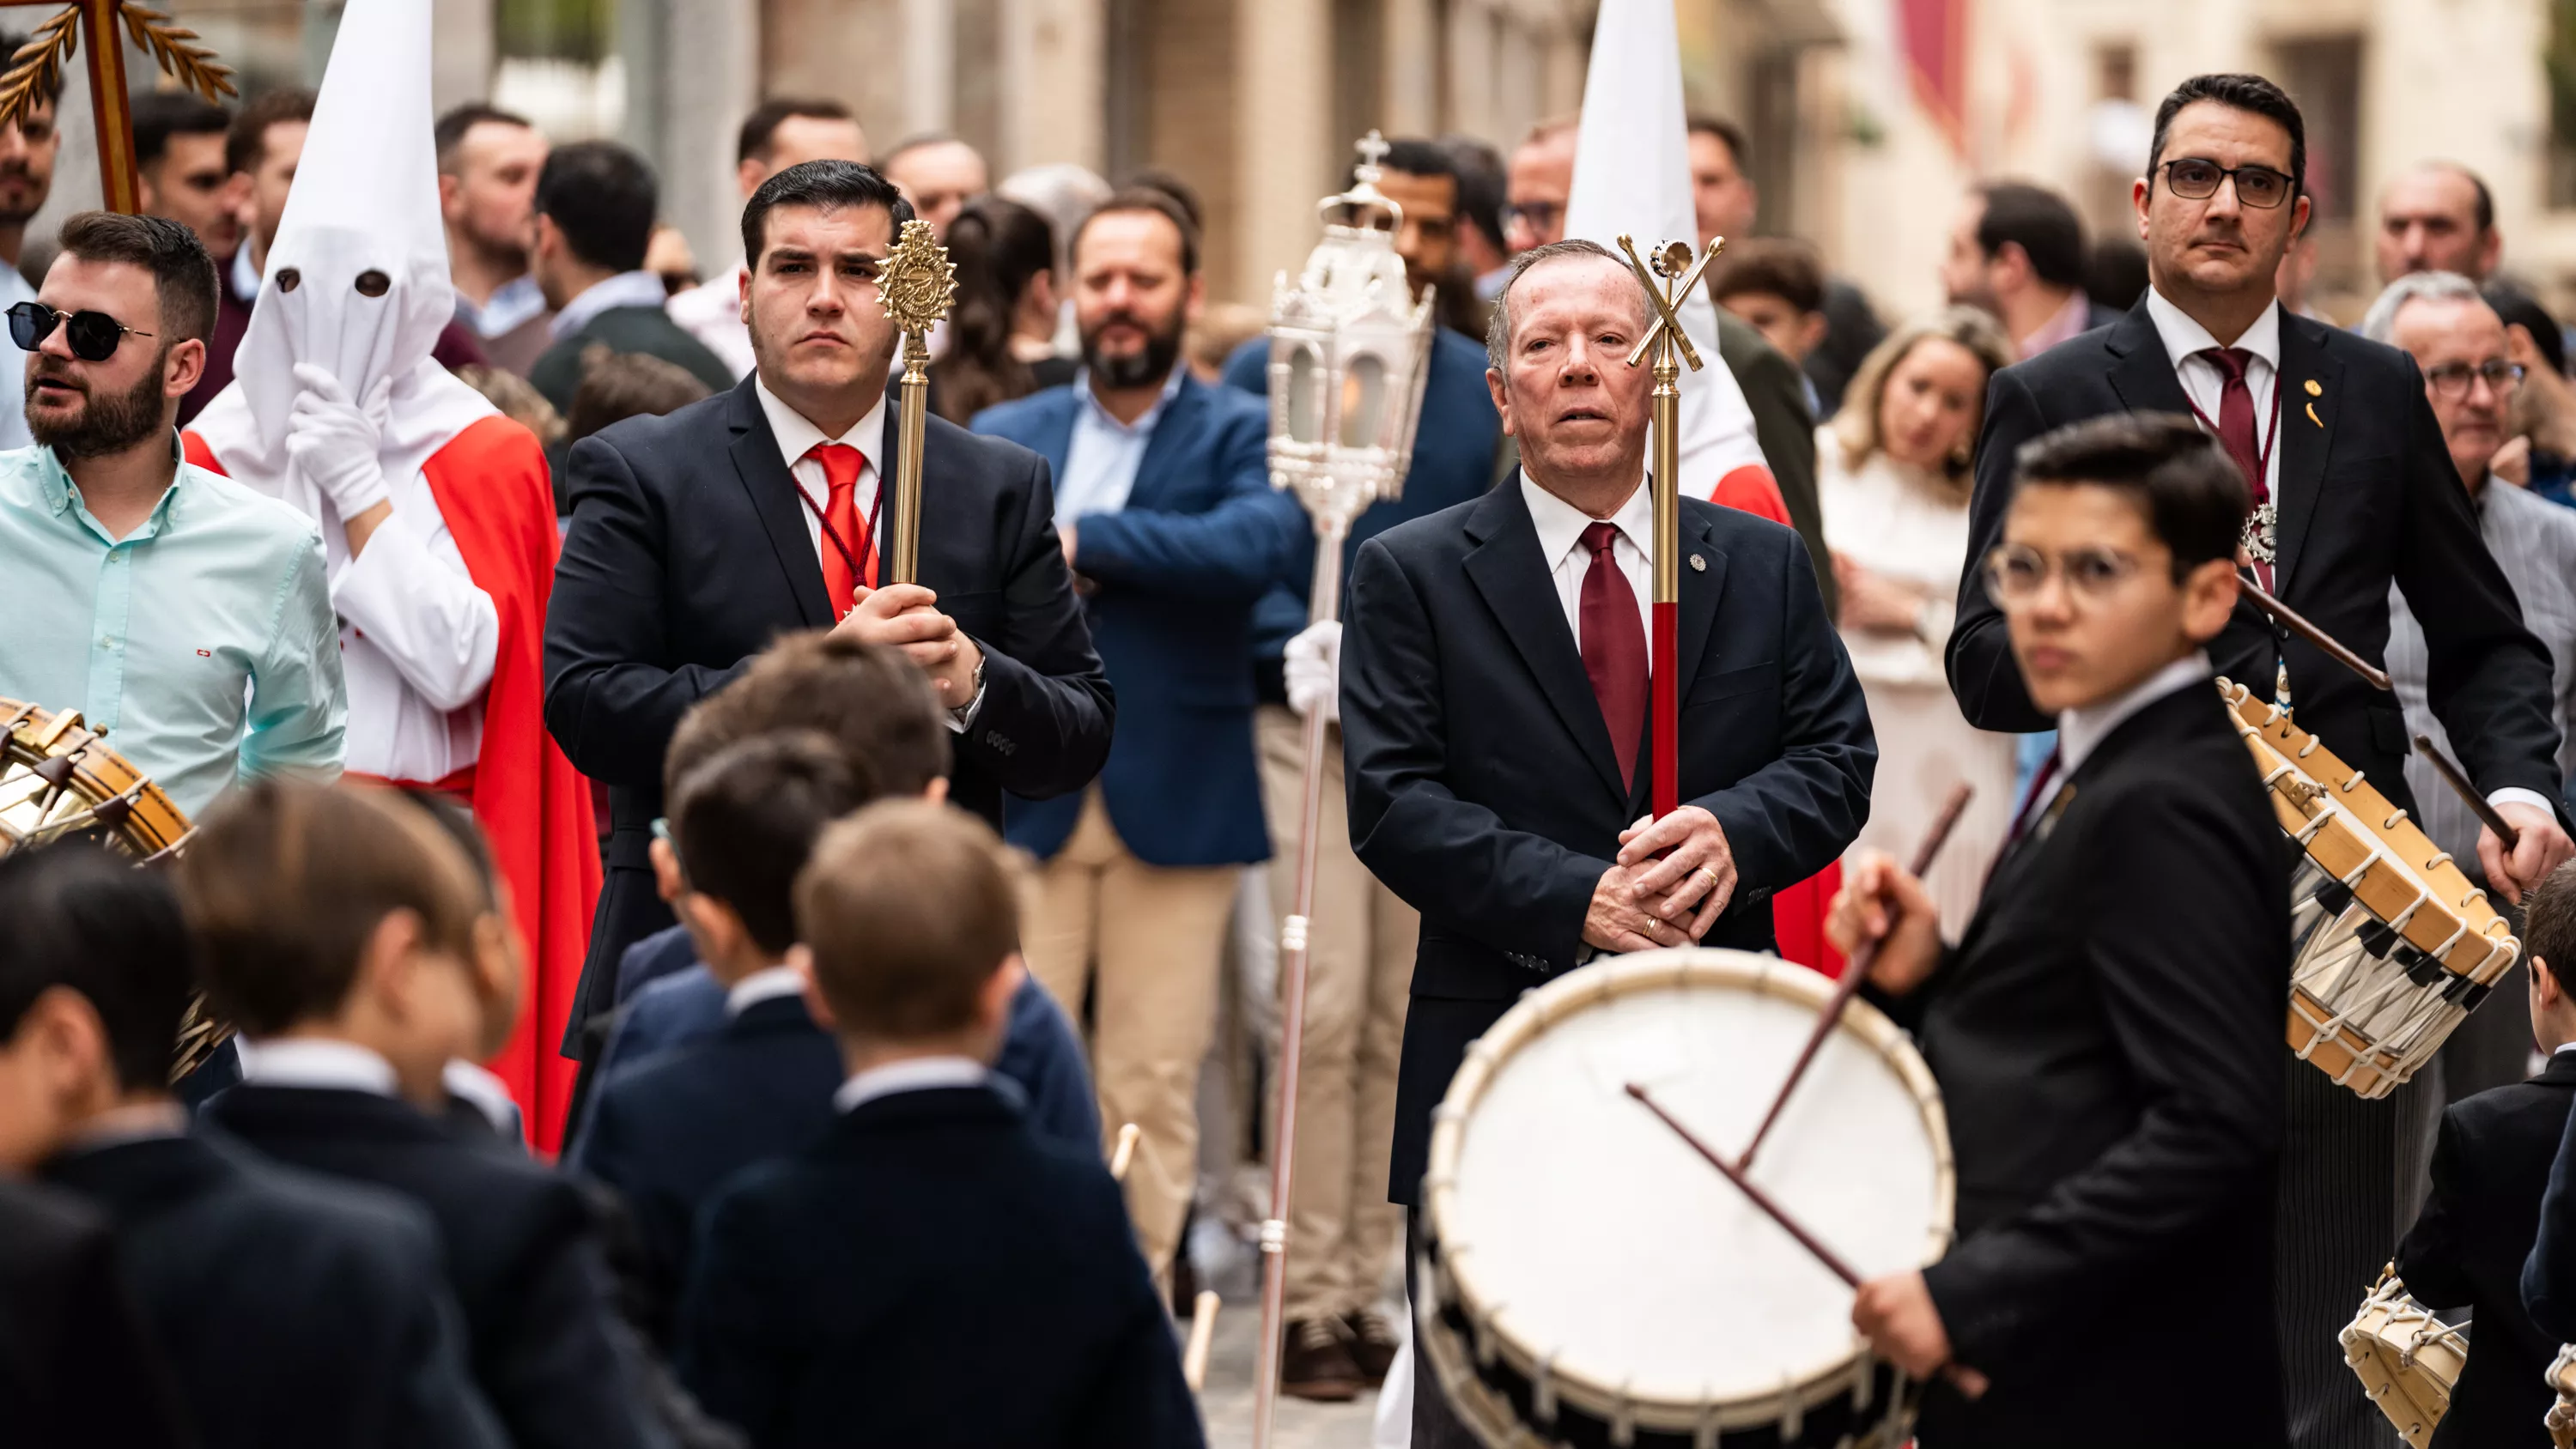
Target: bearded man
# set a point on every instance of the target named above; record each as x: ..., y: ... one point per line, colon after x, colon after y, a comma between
x: 182, y: 614
x: 1166, y: 512
x: 436, y: 515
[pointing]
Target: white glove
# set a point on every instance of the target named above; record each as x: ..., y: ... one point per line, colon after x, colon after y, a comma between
x: 333, y: 441
x: 1314, y: 671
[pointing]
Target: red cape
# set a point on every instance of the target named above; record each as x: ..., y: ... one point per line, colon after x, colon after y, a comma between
x: 1752, y: 489
x: 492, y: 488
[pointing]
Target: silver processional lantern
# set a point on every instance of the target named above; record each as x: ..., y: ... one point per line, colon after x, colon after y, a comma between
x: 1349, y: 348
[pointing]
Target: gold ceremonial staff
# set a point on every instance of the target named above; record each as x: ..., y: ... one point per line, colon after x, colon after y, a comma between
x: 917, y: 285
x: 1350, y: 349
x: 1663, y: 340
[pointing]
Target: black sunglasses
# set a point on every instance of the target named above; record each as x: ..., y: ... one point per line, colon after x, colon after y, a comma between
x: 93, y: 335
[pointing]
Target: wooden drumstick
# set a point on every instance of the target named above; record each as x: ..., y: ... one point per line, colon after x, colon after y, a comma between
x: 1124, y: 1153
x: 1855, y: 972
x: 2458, y: 780
x: 1760, y: 1199
x: 2290, y: 619
x: 1194, y: 1357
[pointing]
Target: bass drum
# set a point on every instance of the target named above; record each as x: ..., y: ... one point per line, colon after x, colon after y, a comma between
x: 1588, y: 1280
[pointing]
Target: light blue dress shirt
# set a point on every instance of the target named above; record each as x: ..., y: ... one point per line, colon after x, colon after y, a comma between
x: 1100, y: 461
x: 202, y: 644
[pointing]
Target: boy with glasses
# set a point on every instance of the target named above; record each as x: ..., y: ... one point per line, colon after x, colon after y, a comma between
x: 2111, y: 1062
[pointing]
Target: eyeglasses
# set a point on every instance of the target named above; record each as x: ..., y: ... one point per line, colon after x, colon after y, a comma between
x: 1540, y: 217
x: 2450, y: 381
x: 2196, y: 178
x: 93, y: 335
x: 2016, y: 572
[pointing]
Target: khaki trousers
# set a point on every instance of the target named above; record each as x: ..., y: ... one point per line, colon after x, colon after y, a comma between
x: 1359, y: 974
x: 1145, y: 940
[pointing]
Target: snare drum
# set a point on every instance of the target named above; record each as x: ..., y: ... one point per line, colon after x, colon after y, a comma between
x: 2408, y: 1361
x: 1587, y: 1279
x: 2393, y: 945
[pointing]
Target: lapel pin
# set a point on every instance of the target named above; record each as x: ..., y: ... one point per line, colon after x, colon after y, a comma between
x: 2314, y: 390
x: 1698, y: 565
x: 2312, y: 416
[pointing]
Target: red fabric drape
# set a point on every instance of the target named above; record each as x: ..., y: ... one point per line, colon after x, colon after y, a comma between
x: 1798, y: 919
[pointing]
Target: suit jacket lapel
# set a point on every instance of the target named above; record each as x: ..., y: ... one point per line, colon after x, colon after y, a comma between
x: 1700, y: 590
x: 1511, y: 574
x: 1172, y: 438
x: 2307, y: 427
x: 772, y: 488
x: 2141, y: 373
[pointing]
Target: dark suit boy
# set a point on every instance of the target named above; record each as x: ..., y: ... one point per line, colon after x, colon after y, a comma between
x: 930, y: 1273
x: 693, y: 544
x: 77, y: 1365
x: 2110, y: 1063
x: 292, y: 1309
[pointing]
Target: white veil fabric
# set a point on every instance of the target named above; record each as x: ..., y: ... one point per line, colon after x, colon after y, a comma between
x: 357, y: 283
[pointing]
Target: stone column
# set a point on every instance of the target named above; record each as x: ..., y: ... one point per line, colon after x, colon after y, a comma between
x: 929, y: 67
x: 1284, y: 152
x: 1053, y: 103
x: 1410, y: 98
x: 461, y: 55
x: 1471, y: 74
x: 692, y: 73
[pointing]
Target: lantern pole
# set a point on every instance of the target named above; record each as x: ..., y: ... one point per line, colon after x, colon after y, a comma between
x: 1667, y: 283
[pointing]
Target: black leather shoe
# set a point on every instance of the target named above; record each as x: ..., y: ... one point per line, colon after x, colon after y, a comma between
x: 1373, y: 1344
x: 1316, y: 1362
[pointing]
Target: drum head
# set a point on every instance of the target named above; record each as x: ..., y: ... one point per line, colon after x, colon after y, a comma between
x: 1596, y: 1242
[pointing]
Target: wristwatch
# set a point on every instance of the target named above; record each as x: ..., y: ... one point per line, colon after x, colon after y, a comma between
x: 964, y: 712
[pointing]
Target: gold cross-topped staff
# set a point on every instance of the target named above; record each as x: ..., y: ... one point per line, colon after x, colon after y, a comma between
x: 37, y: 69
x: 1664, y: 337
x: 917, y: 285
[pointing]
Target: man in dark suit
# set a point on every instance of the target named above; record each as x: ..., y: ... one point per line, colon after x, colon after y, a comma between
x: 698, y: 537
x: 594, y: 218
x: 930, y: 1273
x: 1494, y: 688
x: 76, y: 1363
x: 2491, y: 1168
x: 2354, y: 490
x: 2017, y: 252
x: 1166, y: 512
x: 289, y: 1310
x: 2110, y: 1064
x: 338, y: 928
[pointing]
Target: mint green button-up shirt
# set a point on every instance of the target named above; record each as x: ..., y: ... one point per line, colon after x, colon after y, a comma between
x: 202, y: 644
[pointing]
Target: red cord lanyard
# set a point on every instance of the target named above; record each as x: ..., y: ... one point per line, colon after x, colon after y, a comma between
x: 867, y: 575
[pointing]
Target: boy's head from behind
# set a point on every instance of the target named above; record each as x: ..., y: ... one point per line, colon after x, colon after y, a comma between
x: 96, y: 965
x: 908, y: 922
x: 2549, y: 951
x: 743, y: 823
x: 2118, y: 555
x: 344, y: 913
x: 875, y: 706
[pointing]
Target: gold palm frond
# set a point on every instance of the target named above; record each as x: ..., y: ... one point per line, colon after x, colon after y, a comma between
x: 181, y: 54
x: 37, y: 68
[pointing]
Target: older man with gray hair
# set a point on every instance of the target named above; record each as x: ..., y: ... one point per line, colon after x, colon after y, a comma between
x: 2458, y: 342
x: 1494, y: 706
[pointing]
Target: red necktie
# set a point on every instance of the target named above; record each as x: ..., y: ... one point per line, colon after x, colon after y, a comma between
x: 2236, y: 429
x: 1614, y: 648
x: 849, y: 552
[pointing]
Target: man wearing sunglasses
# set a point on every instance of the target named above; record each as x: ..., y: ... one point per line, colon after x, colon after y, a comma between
x: 2442, y: 321
x: 2354, y: 489
x: 184, y: 616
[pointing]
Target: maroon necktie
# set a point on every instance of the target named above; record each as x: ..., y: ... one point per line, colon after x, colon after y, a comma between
x: 1614, y: 648
x: 2236, y: 418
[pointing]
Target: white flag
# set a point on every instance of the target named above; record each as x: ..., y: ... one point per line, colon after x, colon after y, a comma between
x: 1632, y: 175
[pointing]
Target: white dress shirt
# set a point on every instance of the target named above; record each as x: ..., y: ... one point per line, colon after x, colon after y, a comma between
x: 766, y: 984
x: 418, y: 641
x: 1560, y: 543
x: 2205, y: 385
x: 797, y: 436
x: 1101, y: 460
x: 2082, y: 729
x: 915, y: 1074
x: 314, y: 1062
x: 712, y: 313
x: 511, y: 304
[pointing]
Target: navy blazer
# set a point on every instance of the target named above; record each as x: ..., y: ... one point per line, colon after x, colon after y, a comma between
x: 1040, y: 1053
x: 1174, y: 576
x: 666, y: 1133
x: 522, y: 1254
x: 1483, y: 787
x: 2491, y: 1165
x: 77, y: 1363
x: 1453, y: 461
x: 854, y: 1293
x: 292, y: 1309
